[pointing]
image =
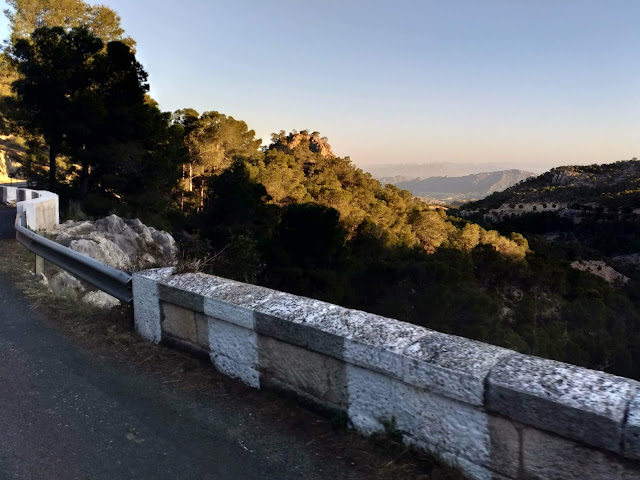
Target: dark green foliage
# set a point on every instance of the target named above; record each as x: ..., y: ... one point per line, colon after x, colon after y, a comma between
x: 88, y: 101
x: 239, y: 223
x: 311, y: 234
x: 53, y: 81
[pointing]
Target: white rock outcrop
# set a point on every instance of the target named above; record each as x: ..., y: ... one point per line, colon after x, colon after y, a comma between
x: 127, y: 245
x: 124, y: 244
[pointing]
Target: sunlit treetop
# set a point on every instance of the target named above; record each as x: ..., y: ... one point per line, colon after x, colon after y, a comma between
x: 27, y: 15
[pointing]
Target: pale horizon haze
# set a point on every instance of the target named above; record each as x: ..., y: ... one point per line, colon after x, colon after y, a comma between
x: 527, y: 85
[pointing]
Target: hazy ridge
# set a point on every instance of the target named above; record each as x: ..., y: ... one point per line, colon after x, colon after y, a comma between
x: 469, y: 187
x: 409, y: 171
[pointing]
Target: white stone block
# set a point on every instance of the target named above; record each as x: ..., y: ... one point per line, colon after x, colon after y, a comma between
x: 234, y: 351
x: 442, y: 425
x: 370, y: 399
x: 581, y: 404
x: 235, y: 302
x: 39, y: 209
x: 304, y: 371
x: 632, y: 430
x: 230, y: 313
x: 9, y: 194
x: 146, y: 308
x: 552, y: 457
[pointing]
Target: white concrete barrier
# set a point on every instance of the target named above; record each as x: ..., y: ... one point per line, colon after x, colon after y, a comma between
x: 490, y: 412
x: 40, y: 209
x: 8, y: 194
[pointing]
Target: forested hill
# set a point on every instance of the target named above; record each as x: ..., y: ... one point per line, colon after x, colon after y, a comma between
x: 300, y: 168
x: 610, y: 185
x: 468, y: 187
x: 591, y: 211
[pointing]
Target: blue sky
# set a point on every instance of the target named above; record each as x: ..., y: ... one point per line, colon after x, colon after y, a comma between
x: 520, y: 83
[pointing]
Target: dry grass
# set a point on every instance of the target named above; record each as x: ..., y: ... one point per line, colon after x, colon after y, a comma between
x: 110, y: 334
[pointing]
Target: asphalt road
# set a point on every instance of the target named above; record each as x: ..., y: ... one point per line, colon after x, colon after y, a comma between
x: 66, y: 415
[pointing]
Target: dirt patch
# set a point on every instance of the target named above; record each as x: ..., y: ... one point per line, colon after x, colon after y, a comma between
x: 110, y: 335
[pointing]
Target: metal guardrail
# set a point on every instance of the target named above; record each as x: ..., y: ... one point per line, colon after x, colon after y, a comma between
x: 108, y: 279
x: 20, y: 184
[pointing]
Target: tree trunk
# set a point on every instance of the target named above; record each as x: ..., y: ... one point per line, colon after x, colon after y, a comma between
x: 53, y: 153
x: 182, y: 189
x: 84, y: 180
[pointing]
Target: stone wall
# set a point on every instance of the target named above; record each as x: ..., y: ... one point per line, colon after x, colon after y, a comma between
x: 39, y: 209
x: 491, y: 412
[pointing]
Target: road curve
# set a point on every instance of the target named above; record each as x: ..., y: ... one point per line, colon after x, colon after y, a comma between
x: 66, y: 415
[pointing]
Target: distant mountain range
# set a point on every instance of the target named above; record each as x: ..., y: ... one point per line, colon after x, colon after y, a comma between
x: 410, y: 171
x: 463, y: 188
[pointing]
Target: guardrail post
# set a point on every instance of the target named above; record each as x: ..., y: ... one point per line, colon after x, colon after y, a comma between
x: 39, y: 267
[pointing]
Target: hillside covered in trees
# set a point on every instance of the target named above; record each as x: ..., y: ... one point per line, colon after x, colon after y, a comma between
x: 592, y: 210
x: 290, y: 215
x: 609, y: 185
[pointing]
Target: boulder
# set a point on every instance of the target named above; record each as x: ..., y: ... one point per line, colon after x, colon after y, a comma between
x: 103, y: 250
x: 64, y: 284
x: 124, y: 244
x: 100, y: 299
x: 127, y: 245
